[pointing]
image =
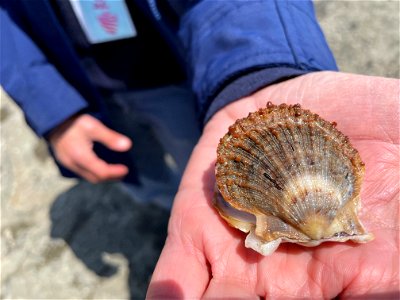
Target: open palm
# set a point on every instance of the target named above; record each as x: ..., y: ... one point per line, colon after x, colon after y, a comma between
x: 204, y: 257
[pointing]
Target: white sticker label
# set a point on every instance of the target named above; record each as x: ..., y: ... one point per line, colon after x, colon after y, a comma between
x: 104, y: 20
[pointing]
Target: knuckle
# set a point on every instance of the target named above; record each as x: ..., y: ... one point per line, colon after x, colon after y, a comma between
x: 87, y: 122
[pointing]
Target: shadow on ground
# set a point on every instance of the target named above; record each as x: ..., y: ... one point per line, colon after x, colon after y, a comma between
x: 104, y: 218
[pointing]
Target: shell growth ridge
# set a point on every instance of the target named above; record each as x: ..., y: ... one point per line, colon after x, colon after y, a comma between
x: 284, y: 174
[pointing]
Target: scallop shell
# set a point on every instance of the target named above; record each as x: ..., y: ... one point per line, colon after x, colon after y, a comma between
x: 284, y: 174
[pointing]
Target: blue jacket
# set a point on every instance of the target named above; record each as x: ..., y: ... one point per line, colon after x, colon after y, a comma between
x: 230, y: 48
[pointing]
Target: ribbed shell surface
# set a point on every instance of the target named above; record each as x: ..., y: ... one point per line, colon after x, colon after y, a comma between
x: 294, y: 171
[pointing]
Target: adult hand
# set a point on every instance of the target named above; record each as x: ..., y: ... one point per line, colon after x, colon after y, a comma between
x: 72, y: 143
x: 204, y: 257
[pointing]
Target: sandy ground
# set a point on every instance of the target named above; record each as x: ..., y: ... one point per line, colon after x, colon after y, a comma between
x: 61, y: 239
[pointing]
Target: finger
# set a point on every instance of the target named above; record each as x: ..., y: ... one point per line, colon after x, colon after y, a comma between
x: 99, y: 169
x: 180, y: 274
x: 104, y: 173
x: 348, y: 99
x: 110, y: 138
x: 96, y: 178
x: 83, y: 173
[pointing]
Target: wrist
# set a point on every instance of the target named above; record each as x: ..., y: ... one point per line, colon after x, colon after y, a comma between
x: 61, y: 128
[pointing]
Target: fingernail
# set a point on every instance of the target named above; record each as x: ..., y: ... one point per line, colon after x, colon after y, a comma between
x: 124, y: 143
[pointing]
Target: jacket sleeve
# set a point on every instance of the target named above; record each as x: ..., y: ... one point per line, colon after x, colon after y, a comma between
x: 235, y: 47
x: 35, y: 84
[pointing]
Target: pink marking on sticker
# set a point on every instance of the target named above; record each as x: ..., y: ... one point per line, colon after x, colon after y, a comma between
x: 100, y: 4
x: 109, y: 22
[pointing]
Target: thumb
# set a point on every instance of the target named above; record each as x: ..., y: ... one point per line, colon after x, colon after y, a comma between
x: 110, y: 138
x: 179, y: 274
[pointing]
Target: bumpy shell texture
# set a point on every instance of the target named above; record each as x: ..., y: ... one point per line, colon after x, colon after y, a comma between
x: 284, y: 174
